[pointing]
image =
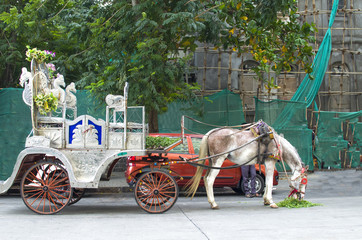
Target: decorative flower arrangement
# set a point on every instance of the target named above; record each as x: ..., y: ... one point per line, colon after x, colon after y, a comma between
x: 51, y: 70
x: 46, y: 103
x: 39, y: 55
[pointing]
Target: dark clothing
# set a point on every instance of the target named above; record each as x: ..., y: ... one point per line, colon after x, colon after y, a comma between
x: 248, y: 172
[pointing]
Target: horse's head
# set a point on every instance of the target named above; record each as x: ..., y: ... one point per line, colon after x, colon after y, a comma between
x: 299, y: 183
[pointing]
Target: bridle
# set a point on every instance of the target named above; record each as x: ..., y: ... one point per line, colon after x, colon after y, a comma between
x: 303, y: 182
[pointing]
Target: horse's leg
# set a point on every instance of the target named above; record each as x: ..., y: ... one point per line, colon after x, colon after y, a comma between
x: 269, y: 172
x: 209, y: 180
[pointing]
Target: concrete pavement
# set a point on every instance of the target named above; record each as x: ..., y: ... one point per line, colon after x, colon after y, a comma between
x: 117, y: 216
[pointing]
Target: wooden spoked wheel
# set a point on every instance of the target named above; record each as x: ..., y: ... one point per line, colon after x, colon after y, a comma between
x: 45, y: 188
x: 156, y: 191
x: 77, y: 195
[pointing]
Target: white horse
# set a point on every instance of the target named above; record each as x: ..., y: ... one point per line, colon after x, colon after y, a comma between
x: 222, y: 141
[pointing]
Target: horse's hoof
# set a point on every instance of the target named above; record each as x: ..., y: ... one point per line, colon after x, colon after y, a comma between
x: 215, y: 208
x: 273, y: 205
x: 266, y: 203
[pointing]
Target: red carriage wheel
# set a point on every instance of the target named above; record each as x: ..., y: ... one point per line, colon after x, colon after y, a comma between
x: 45, y: 188
x: 77, y: 195
x: 156, y: 191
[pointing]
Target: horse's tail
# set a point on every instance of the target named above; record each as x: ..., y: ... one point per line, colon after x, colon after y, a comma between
x: 193, y: 183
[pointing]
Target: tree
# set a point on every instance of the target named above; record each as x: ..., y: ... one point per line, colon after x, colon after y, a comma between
x: 56, y: 25
x: 271, y: 31
x: 148, y: 43
x: 141, y: 44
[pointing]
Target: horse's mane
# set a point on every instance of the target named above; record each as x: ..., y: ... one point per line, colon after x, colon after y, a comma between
x: 289, y: 149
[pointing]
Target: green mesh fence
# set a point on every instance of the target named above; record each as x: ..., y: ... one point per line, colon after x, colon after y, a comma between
x: 339, y: 142
x: 15, y: 124
x: 220, y: 109
x: 357, y: 133
x: 289, y: 117
x: 294, y: 128
x: 223, y: 108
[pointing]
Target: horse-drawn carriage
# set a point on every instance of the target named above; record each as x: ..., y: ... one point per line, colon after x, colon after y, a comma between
x: 66, y: 153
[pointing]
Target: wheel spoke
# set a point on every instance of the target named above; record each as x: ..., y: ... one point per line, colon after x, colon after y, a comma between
x: 34, y: 196
x: 58, y: 186
x: 147, y: 185
x: 169, y: 196
x: 160, y: 181
x: 33, y: 189
x: 167, y: 186
x: 50, y: 197
x: 36, y: 178
x: 42, y: 198
x: 58, y: 175
x: 60, y: 195
x: 146, y: 198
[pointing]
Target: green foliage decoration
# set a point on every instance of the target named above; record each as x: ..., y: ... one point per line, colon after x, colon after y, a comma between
x: 46, y: 103
x: 295, y: 203
x: 39, y: 55
x: 159, y: 142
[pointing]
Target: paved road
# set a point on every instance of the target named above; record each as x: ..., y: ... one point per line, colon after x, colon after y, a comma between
x: 117, y: 216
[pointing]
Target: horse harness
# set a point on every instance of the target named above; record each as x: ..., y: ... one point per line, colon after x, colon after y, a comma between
x: 260, y: 130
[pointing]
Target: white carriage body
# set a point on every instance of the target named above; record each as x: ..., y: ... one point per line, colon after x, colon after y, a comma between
x: 85, y: 146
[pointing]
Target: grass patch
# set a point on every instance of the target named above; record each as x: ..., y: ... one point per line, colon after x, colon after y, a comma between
x: 295, y: 203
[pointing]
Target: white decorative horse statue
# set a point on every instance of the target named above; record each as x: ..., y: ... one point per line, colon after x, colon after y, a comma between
x: 115, y: 101
x: 70, y: 98
x: 222, y: 142
x: 26, y: 80
x: 57, y: 91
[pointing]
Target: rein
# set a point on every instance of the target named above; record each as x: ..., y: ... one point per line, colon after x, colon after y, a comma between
x: 219, y: 154
x: 243, y: 126
x: 193, y: 163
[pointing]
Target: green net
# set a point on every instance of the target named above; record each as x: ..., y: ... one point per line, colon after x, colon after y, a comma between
x: 357, y: 133
x: 309, y: 87
x: 334, y: 148
x: 294, y: 128
x: 220, y: 109
x: 15, y: 123
x: 289, y: 117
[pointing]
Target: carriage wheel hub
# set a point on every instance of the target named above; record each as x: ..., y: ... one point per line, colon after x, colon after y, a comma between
x: 45, y: 188
x: 156, y: 192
